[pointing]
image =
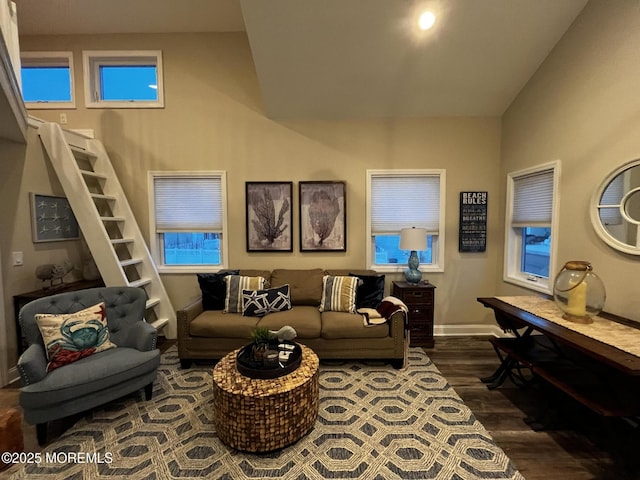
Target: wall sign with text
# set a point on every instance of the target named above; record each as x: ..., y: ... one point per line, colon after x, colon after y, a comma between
x: 473, y: 222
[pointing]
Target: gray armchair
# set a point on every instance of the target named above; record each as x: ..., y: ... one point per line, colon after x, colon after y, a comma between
x: 96, y: 379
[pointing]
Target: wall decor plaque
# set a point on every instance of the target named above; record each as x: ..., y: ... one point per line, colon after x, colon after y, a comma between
x: 472, y: 235
x: 52, y: 219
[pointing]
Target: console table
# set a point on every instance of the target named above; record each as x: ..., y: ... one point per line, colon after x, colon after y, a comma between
x: 22, y: 299
x: 599, y: 372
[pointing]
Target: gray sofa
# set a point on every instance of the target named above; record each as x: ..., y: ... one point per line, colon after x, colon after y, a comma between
x: 211, y: 334
x: 98, y: 378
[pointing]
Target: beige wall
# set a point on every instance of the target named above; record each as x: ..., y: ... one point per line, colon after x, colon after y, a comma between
x: 213, y: 120
x: 582, y: 107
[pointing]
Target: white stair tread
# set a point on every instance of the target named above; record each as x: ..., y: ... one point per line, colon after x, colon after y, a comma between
x: 79, y: 151
x: 152, y: 302
x: 120, y: 241
x: 89, y: 173
x: 103, y: 197
x: 140, y: 283
x: 160, y: 323
x: 131, y: 261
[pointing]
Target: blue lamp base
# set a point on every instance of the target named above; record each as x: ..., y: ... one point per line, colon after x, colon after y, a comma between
x: 413, y: 275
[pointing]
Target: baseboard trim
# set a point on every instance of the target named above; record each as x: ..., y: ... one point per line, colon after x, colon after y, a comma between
x: 467, y: 330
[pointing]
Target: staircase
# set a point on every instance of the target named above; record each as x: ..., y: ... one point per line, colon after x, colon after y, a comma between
x: 106, y: 220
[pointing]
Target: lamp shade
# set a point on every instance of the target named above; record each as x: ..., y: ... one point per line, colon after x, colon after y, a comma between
x: 413, y: 239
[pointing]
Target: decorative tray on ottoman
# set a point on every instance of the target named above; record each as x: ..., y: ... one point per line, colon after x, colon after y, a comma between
x: 251, y: 368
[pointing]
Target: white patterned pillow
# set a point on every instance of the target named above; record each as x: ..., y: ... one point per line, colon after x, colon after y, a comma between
x: 338, y: 294
x: 235, y: 285
x: 257, y: 303
x: 70, y: 337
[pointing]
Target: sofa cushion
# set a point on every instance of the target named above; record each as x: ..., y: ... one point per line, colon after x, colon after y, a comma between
x: 305, y: 285
x: 338, y: 294
x: 217, y: 324
x: 304, y: 319
x: 100, y: 372
x: 370, y: 290
x: 214, y: 289
x: 257, y: 303
x: 70, y: 337
x: 348, y: 325
x: 235, y: 285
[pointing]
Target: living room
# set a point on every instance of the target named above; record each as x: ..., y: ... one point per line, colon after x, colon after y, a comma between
x: 578, y: 108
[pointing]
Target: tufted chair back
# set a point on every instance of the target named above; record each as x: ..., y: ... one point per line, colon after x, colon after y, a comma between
x: 125, y: 306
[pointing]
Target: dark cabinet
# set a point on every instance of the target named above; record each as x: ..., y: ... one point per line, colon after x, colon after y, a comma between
x: 22, y: 299
x: 420, y: 300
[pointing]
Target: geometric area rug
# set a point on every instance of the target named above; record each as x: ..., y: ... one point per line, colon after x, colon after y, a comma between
x: 374, y: 423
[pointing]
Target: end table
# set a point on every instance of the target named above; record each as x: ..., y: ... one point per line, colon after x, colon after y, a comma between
x: 420, y: 300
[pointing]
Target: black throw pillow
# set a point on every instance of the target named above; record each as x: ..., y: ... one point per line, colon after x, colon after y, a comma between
x: 214, y: 289
x: 258, y: 303
x: 370, y: 290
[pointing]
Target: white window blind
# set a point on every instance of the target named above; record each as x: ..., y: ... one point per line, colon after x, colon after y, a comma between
x: 188, y: 204
x: 402, y: 201
x: 533, y: 200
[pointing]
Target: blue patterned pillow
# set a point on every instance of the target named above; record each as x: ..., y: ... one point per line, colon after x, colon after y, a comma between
x: 257, y: 303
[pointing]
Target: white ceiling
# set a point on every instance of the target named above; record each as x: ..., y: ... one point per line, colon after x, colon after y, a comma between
x: 350, y: 58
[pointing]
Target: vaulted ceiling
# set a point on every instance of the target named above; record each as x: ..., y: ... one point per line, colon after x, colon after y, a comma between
x: 333, y: 59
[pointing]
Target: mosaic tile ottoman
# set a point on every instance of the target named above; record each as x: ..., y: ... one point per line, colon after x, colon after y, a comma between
x: 256, y: 415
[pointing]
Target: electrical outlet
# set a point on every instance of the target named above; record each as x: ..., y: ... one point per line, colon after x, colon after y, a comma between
x: 63, y: 119
x: 18, y: 259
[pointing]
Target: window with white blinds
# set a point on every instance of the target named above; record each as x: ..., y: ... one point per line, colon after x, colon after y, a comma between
x: 187, y: 221
x: 530, y: 226
x: 188, y: 204
x: 398, y: 199
x: 401, y: 201
x: 533, y: 199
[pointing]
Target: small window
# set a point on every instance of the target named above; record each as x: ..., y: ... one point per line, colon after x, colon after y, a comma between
x: 530, y: 241
x: 188, y: 221
x: 398, y: 199
x: 47, y: 80
x: 123, y: 79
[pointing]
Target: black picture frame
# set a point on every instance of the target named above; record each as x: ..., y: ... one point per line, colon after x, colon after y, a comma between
x: 323, y: 204
x: 472, y: 230
x: 52, y: 219
x: 269, y: 219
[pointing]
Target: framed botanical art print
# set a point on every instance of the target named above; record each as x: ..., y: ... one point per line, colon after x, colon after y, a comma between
x: 323, y: 216
x: 269, y: 217
x: 52, y: 219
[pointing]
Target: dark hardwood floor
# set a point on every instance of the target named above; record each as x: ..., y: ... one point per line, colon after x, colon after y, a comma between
x: 582, y: 446
x: 578, y: 444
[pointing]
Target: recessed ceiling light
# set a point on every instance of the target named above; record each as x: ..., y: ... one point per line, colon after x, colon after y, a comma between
x: 426, y: 21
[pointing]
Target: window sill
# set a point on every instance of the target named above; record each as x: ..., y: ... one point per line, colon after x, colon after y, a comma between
x: 190, y: 269
x: 400, y: 268
x: 541, y: 285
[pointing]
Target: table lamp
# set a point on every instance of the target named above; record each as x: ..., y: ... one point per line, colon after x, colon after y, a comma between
x: 414, y: 239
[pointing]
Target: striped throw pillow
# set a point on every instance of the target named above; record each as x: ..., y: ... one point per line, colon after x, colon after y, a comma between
x: 338, y: 294
x: 235, y: 285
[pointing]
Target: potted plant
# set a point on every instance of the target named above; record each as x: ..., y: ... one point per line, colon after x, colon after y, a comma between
x: 261, y: 337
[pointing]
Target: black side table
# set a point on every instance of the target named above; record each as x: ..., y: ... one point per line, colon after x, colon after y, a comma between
x: 22, y: 299
x: 420, y: 300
